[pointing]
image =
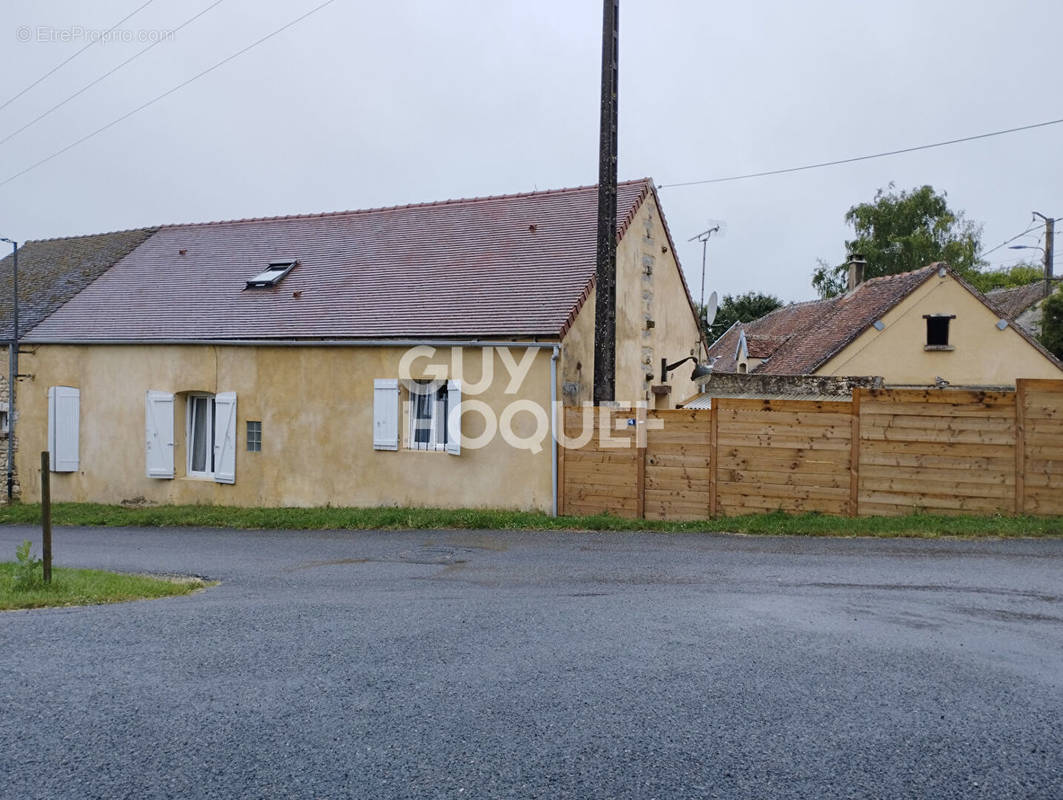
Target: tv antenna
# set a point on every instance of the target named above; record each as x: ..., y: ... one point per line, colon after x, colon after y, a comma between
x: 703, y: 237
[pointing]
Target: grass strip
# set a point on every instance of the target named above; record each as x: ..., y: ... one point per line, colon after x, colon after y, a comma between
x: 389, y: 518
x: 83, y: 587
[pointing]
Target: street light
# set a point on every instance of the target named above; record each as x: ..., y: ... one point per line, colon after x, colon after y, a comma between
x: 1047, y: 262
x: 12, y: 369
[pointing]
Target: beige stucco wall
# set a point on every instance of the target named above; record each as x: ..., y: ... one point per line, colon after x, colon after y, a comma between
x: 4, y: 398
x: 648, y: 288
x: 982, y: 354
x: 316, y: 409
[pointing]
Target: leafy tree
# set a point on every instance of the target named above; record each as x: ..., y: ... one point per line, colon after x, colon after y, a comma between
x: 1006, y: 278
x: 1052, y: 323
x: 902, y: 231
x: 741, y: 308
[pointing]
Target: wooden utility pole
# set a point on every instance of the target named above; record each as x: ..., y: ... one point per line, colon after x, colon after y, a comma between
x: 46, y: 516
x: 1050, y: 233
x: 605, y: 274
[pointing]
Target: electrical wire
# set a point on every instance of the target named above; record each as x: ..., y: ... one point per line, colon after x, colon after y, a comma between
x: 1007, y: 241
x: 787, y: 170
x: 165, y: 94
x: 108, y: 74
x: 62, y: 64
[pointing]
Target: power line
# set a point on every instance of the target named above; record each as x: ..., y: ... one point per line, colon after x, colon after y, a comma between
x: 62, y: 64
x: 1008, y: 241
x: 107, y: 74
x: 862, y: 158
x: 165, y: 94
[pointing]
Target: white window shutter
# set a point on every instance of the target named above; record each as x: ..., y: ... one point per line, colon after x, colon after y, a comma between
x: 64, y: 406
x: 454, y: 417
x: 386, y: 414
x: 158, y: 419
x: 225, y: 437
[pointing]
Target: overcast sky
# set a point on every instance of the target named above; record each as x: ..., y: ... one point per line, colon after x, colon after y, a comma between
x: 366, y: 104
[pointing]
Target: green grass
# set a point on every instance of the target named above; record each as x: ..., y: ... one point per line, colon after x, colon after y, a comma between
x: 916, y: 525
x: 83, y: 587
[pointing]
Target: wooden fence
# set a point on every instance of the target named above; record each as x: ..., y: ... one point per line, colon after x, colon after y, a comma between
x: 887, y: 452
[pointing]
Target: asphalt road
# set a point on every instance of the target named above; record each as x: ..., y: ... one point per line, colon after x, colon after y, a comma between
x: 495, y: 664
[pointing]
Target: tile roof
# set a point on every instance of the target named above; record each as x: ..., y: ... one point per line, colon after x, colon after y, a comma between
x: 1011, y: 302
x: 806, y: 335
x: 52, y: 271
x: 513, y: 265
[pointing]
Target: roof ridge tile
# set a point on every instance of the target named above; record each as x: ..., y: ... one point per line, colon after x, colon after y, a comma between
x: 456, y: 201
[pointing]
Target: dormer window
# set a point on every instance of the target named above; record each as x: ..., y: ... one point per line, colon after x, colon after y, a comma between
x: 273, y: 274
x: 937, y: 331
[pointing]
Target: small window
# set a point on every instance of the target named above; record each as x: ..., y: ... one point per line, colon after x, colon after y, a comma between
x: 427, y: 415
x: 937, y: 330
x: 254, y: 436
x: 271, y: 275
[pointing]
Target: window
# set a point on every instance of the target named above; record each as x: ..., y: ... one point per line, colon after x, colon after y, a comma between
x: 254, y: 437
x: 202, y: 414
x: 937, y: 331
x: 210, y: 435
x: 428, y: 415
x: 272, y: 274
x: 432, y: 413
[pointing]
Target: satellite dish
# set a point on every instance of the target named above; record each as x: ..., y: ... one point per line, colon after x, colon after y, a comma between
x: 711, y: 308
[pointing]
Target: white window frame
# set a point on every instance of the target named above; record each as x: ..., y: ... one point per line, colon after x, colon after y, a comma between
x: 437, y: 427
x: 209, y: 439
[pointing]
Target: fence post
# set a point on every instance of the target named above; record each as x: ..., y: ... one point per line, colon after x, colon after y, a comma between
x: 641, y: 440
x: 46, y: 516
x: 713, y: 453
x: 1020, y: 445
x: 854, y: 456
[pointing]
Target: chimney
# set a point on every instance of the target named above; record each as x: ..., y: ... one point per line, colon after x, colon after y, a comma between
x: 857, y: 267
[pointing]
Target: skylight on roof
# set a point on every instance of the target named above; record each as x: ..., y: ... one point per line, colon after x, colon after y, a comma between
x: 273, y: 274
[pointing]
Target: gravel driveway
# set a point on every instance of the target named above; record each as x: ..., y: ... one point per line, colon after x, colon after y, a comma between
x: 487, y: 664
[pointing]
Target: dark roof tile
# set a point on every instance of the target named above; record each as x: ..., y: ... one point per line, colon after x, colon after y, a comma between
x: 52, y: 271
x: 461, y: 268
x: 1011, y: 302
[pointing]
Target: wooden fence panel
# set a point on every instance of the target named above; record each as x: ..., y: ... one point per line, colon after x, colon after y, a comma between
x: 678, y: 464
x: 1042, y: 446
x: 602, y: 475
x: 917, y: 448
x: 888, y: 452
x: 790, y: 455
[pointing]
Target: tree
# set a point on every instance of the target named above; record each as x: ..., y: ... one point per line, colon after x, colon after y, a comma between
x: 741, y: 308
x: 1052, y: 323
x: 902, y: 231
x: 1006, y: 277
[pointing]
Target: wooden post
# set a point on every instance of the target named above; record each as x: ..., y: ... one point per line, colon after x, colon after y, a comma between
x: 713, y: 453
x: 854, y: 456
x: 641, y: 437
x: 46, y: 516
x: 1020, y: 446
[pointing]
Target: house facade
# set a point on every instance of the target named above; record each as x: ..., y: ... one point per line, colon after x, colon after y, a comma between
x: 408, y: 356
x: 51, y: 272
x: 917, y: 328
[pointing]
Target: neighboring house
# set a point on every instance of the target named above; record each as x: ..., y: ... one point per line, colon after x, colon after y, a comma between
x: 50, y: 272
x: 759, y: 386
x: 910, y: 329
x: 404, y: 356
x: 1021, y: 305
